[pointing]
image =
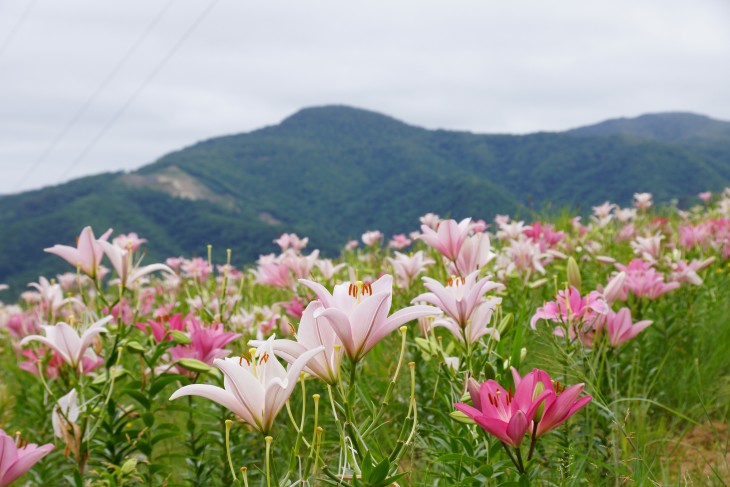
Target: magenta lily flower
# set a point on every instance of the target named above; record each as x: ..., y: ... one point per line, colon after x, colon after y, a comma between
x: 255, y: 388
x: 570, y: 308
x: 15, y: 460
x: 314, y: 332
x: 503, y: 414
x: 460, y: 297
x: 86, y: 255
x: 66, y: 341
x: 448, y: 238
x: 560, y: 403
x: 620, y: 328
x: 358, y: 313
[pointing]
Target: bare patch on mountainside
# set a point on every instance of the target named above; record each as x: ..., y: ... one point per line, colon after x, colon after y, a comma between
x: 177, y: 183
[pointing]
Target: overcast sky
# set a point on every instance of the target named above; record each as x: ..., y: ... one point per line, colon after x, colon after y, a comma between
x: 91, y: 86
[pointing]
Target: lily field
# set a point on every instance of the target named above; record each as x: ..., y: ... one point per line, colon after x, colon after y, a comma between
x: 554, y: 351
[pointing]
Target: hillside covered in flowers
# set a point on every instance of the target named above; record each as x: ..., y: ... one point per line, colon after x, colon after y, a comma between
x: 561, y: 351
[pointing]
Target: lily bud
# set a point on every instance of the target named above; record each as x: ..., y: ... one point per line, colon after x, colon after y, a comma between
x: 473, y: 387
x: 573, y: 272
x: 614, y: 287
x: 539, y: 389
x: 460, y: 417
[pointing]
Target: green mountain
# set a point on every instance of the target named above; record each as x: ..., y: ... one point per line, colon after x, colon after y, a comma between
x: 334, y: 172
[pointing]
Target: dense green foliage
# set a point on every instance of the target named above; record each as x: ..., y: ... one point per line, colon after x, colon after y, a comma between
x: 333, y: 172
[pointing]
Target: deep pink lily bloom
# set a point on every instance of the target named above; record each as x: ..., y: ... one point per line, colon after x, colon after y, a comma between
x: 159, y: 330
x: 620, y: 328
x: 570, y: 308
x: 86, y: 255
x: 560, y: 403
x: 358, y: 313
x: 449, y: 237
x: 460, y: 297
x: 206, y: 344
x: 313, y: 333
x: 15, y: 460
x: 255, y: 388
x: 66, y: 341
x: 503, y: 414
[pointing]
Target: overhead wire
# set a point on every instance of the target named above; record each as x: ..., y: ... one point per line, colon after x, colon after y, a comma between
x: 16, y: 28
x: 92, y: 98
x: 139, y: 89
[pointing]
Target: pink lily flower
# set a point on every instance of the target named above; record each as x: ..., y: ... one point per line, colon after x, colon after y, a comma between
x: 399, y: 242
x: 475, y: 253
x: 128, y: 273
x: 66, y: 341
x: 644, y: 281
x: 407, y: 267
x: 327, y: 269
x: 460, y: 297
x: 449, y: 237
x: 642, y: 200
x: 313, y: 333
x: 255, y: 388
x: 15, y: 460
x: 503, y: 414
x: 372, y: 238
x: 477, y: 327
x: 570, y: 308
x: 206, y: 344
x: 560, y: 403
x: 86, y: 255
x: 129, y: 241
x: 705, y: 196
x: 620, y: 328
x: 358, y: 313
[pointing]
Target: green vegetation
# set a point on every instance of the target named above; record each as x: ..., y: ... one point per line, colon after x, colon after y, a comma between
x: 333, y: 172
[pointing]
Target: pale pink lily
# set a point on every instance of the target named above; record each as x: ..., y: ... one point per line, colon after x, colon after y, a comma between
x: 620, y: 328
x: 86, y: 255
x: 15, y: 460
x: 372, y: 238
x: 63, y: 339
x: 255, y: 388
x: 648, y: 248
x: 314, y: 332
x: 642, y: 200
x: 129, y: 241
x: 477, y: 327
x: 475, y: 253
x: 407, y: 267
x: 358, y: 313
x: 128, y: 273
x: 399, y: 242
x: 449, y: 237
x: 65, y: 413
x: 705, y: 196
x: 460, y: 297
x: 327, y: 269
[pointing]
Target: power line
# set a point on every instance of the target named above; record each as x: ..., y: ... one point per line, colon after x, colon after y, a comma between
x: 141, y: 88
x: 82, y: 110
x: 21, y: 20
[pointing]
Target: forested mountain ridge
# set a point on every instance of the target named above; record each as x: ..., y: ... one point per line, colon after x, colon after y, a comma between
x: 334, y: 172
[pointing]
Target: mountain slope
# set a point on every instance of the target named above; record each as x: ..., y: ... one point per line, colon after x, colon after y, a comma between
x: 333, y: 172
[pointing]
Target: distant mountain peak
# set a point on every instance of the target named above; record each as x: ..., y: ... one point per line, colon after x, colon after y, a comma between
x: 341, y: 118
x: 666, y: 127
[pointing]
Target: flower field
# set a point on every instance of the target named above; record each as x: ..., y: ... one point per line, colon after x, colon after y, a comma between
x: 563, y: 351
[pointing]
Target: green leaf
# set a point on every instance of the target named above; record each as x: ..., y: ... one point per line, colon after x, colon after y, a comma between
x: 162, y: 381
x: 379, y: 473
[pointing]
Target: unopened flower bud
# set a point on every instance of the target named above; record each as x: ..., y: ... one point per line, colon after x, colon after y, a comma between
x: 573, y: 272
x: 523, y: 354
